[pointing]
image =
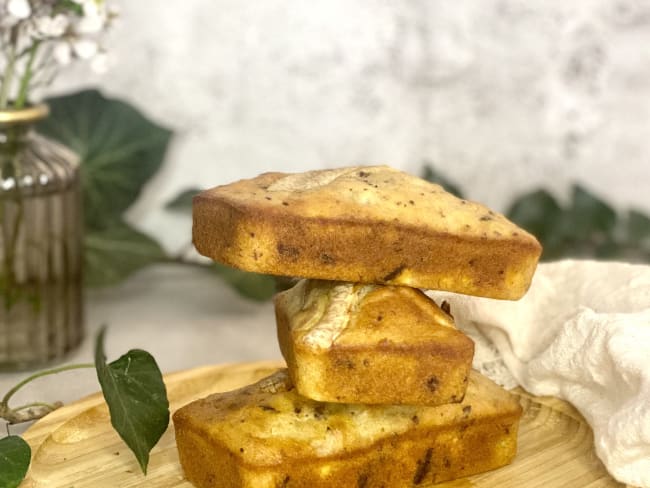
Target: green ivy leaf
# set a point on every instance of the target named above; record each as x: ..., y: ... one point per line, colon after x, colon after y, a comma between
x: 183, y: 201
x: 258, y: 287
x: 536, y: 212
x: 540, y: 214
x: 638, y: 229
x: 589, y: 227
x: 433, y: 176
x: 114, y: 253
x: 590, y: 216
x: 120, y: 150
x: 15, y: 456
x: 609, y: 249
x: 136, y: 396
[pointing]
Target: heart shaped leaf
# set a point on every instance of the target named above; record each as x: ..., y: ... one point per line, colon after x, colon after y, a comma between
x: 120, y: 150
x: 15, y: 456
x: 136, y: 396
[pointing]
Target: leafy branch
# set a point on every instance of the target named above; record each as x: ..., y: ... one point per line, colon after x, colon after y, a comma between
x: 36, y: 410
x: 135, y: 394
x: 584, y: 227
x: 120, y: 151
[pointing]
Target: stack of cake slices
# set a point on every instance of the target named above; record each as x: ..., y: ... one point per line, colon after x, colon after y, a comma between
x: 378, y: 389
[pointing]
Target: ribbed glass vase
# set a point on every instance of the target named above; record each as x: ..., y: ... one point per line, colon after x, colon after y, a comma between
x: 41, y: 306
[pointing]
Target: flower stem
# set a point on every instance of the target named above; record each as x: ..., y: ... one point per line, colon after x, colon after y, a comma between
x: 12, y: 239
x: 27, y: 77
x: 47, y: 372
x: 49, y: 406
x: 5, y: 87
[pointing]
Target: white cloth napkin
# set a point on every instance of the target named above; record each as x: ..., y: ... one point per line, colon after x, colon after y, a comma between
x: 581, y: 333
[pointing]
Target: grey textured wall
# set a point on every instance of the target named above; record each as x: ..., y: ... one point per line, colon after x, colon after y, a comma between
x: 503, y: 96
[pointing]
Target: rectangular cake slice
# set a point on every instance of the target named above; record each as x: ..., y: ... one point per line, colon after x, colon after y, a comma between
x: 353, y: 343
x: 266, y: 435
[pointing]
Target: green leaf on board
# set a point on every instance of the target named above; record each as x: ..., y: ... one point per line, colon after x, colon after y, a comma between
x: 183, y: 201
x: 112, y: 254
x: 15, y: 456
x: 120, y: 150
x: 258, y: 287
x: 136, y: 396
x: 433, y: 176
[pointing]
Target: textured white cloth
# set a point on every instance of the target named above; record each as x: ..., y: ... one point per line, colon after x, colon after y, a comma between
x: 581, y: 333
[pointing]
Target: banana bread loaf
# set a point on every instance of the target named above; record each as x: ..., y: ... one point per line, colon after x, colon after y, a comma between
x: 352, y: 343
x: 364, y: 225
x: 267, y: 436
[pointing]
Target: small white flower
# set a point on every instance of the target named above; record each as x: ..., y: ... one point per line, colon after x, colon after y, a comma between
x: 90, y: 24
x: 19, y: 8
x: 62, y: 53
x: 64, y: 34
x: 85, y: 48
x: 99, y: 64
x: 51, y: 26
x: 94, y: 17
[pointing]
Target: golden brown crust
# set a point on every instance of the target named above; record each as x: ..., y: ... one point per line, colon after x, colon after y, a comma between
x: 371, y: 344
x: 266, y: 435
x: 367, y: 225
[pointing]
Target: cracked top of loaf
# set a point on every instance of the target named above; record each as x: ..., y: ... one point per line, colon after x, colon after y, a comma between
x: 376, y: 344
x: 370, y: 224
x: 322, y: 313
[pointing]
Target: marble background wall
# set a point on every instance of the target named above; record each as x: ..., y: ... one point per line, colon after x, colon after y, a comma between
x: 501, y: 96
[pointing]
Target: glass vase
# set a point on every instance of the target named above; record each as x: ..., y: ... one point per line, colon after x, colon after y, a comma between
x: 41, y: 303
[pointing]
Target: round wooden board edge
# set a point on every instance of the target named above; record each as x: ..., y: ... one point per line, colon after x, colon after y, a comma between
x: 39, y: 431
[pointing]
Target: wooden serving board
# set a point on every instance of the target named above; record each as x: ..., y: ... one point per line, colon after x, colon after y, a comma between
x: 76, y: 446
